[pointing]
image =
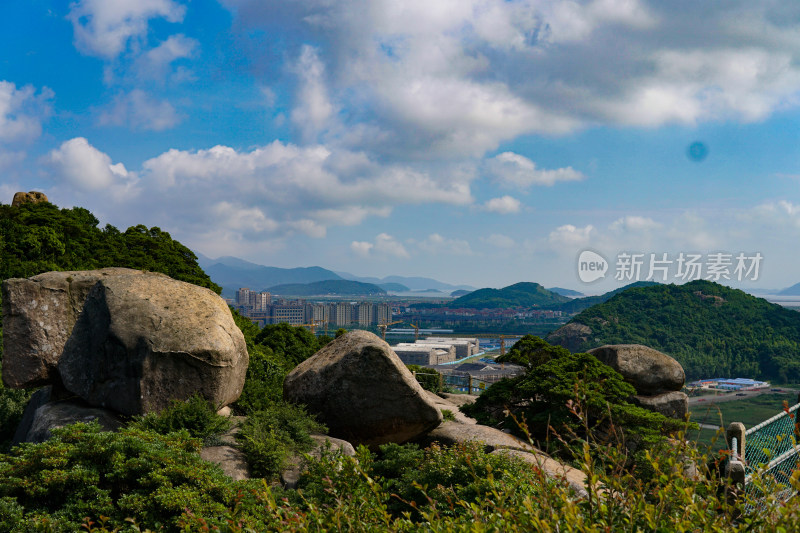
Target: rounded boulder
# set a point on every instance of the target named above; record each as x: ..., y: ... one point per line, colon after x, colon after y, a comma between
x: 142, y: 341
x: 360, y: 389
x: 649, y: 371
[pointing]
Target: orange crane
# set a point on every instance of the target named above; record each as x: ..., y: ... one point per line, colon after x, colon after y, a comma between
x: 383, y: 327
x: 416, y: 331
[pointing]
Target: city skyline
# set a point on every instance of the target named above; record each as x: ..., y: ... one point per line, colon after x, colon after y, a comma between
x: 479, y: 142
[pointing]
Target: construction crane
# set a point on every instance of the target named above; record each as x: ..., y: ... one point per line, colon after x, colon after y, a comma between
x: 313, y: 325
x: 383, y: 327
x: 416, y: 331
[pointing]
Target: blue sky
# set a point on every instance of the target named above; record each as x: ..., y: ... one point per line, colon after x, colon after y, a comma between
x: 474, y: 141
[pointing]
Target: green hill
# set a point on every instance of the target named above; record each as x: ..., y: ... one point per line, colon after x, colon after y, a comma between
x: 36, y: 238
x: 337, y: 287
x: 712, y: 330
x: 522, y: 294
x: 579, y: 304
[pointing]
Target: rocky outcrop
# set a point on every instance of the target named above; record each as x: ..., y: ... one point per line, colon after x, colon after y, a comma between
x: 144, y: 340
x: 572, y: 336
x: 229, y: 458
x: 451, y: 432
x: 657, y: 377
x: 362, y: 391
x: 62, y: 413
x: 649, y: 371
x: 38, y: 316
x: 33, y: 197
x: 444, y: 404
x: 673, y: 404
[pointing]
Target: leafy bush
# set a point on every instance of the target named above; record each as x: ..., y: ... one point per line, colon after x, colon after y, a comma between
x: 85, y: 472
x: 428, y: 378
x: 567, y: 400
x: 196, y: 415
x: 271, y: 436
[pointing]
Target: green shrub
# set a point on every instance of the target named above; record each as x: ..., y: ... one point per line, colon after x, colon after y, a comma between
x: 12, y: 405
x: 428, y: 378
x: 196, y: 415
x: 447, y: 415
x: 271, y: 436
x: 85, y: 472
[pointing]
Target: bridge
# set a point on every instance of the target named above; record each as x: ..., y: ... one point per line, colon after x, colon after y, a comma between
x: 768, y: 452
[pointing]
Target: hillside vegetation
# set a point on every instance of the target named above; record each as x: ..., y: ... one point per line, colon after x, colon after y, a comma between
x: 337, y: 287
x: 712, y: 330
x: 521, y: 294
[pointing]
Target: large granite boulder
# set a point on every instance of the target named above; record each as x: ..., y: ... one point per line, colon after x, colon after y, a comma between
x: 673, y: 404
x: 63, y: 413
x: 33, y: 197
x: 38, y: 316
x: 144, y: 340
x: 649, y: 371
x: 360, y: 389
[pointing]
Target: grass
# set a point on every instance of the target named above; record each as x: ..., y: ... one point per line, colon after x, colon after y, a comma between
x: 749, y: 411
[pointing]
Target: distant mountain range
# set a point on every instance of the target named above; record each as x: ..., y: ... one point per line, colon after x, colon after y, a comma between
x: 794, y: 290
x: 232, y: 273
x: 334, y: 287
x: 413, y: 283
x: 711, y: 329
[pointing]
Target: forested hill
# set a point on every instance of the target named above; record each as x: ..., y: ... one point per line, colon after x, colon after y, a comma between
x: 712, y: 330
x: 339, y: 287
x: 518, y: 295
x: 36, y: 238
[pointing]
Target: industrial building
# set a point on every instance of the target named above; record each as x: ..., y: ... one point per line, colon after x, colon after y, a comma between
x: 425, y: 354
x: 729, y: 384
x: 465, y: 346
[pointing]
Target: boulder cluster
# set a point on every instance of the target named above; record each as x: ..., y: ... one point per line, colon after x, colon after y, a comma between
x: 116, y: 341
x: 657, y: 377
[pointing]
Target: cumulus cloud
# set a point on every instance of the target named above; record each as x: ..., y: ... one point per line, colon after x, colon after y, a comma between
x: 313, y: 108
x: 515, y: 169
x: 385, y: 246
x: 569, y: 235
x: 104, y: 28
x: 86, y: 168
x: 504, y: 205
x: 156, y: 63
x: 458, y: 77
x: 634, y: 223
x: 140, y: 111
x: 22, y: 111
x: 264, y: 196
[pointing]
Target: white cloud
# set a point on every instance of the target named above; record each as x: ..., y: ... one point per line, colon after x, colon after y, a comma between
x: 634, y: 223
x: 156, y: 63
x: 140, y: 111
x: 103, y: 28
x: 456, y: 78
x: 361, y: 248
x: 313, y: 108
x: 514, y: 169
x: 384, y: 247
x: 504, y: 205
x: 83, y: 166
x: 22, y: 112
x: 569, y: 235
